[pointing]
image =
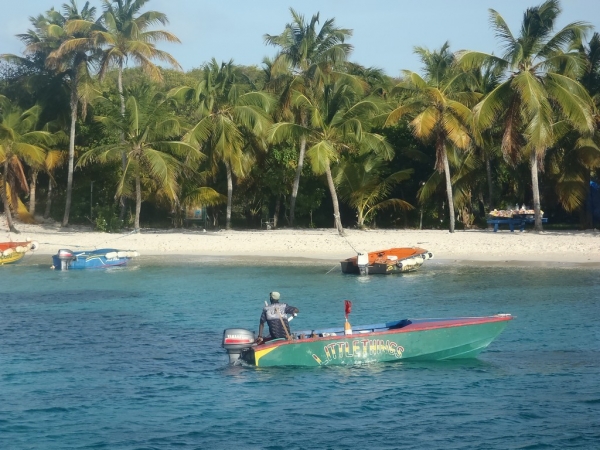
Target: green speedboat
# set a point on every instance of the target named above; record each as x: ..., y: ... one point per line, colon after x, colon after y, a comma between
x: 408, y: 339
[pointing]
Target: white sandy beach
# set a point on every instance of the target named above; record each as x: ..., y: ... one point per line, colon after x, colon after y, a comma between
x: 565, y: 247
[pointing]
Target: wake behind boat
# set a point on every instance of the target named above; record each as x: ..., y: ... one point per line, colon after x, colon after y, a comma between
x: 390, y: 261
x: 11, y: 252
x: 407, y: 339
x: 92, y: 259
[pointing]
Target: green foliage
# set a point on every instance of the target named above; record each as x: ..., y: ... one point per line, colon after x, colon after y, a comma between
x: 325, y: 102
x: 106, y: 219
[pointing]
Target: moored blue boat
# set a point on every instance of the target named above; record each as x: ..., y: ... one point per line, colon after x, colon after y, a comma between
x: 92, y: 259
x: 408, y: 339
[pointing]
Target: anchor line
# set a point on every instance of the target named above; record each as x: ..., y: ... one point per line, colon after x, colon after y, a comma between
x: 66, y: 245
x: 125, y: 235
x: 351, y: 246
x: 95, y: 246
x: 331, y: 269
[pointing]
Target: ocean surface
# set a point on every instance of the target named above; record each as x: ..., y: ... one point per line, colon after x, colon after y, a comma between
x: 130, y: 358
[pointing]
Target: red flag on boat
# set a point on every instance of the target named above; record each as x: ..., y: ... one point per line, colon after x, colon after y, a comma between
x: 348, y: 307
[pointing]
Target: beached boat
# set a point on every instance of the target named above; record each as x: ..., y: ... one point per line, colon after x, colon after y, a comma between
x: 390, y: 261
x: 91, y: 259
x: 11, y: 252
x: 408, y: 339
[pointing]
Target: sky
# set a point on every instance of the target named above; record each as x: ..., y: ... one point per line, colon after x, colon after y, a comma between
x: 385, y: 32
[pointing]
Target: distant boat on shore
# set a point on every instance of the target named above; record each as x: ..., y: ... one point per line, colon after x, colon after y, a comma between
x: 92, y: 259
x: 11, y: 252
x: 387, y: 262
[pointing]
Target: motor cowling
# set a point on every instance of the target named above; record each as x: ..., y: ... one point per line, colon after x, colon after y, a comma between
x: 65, y: 256
x: 235, y: 341
x: 362, y: 261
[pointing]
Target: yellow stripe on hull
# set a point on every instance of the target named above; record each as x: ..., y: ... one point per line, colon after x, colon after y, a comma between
x: 260, y: 353
x: 14, y: 257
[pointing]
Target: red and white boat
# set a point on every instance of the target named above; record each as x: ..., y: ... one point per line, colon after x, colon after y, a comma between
x: 387, y: 262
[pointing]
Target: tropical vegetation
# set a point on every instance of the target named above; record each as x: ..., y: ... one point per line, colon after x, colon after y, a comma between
x: 100, y: 125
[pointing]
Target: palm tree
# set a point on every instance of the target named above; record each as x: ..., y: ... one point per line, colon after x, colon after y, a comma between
x: 126, y: 35
x: 230, y: 119
x: 53, y: 159
x: 338, y: 121
x: 149, y: 129
x: 19, y: 143
x: 365, y: 186
x: 310, y: 55
x: 73, y: 63
x: 123, y: 34
x: 45, y: 43
x: 539, y: 88
x: 436, y: 102
x: 570, y: 163
x: 485, y: 79
x: 590, y: 80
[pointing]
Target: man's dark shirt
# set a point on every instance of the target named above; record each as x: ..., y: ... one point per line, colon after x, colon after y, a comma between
x: 272, y: 317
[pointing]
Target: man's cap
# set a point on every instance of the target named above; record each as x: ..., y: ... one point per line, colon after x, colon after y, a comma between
x: 275, y: 295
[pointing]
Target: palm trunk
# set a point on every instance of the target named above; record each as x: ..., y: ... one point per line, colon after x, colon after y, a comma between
x: 48, y: 200
x: 449, y: 190
x: 296, y: 184
x: 277, y: 209
x: 536, y: 192
x: 334, y: 199
x: 32, y: 189
x: 122, y: 137
x: 138, y: 202
x: 74, y: 102
x: 229, y: 196
x: 9, y: 220
x: 585, y: 210
x: 360, y: 218
x: 488, y: 168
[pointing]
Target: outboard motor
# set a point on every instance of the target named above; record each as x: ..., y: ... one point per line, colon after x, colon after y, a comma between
x: 65, y: 256
x: 362, y: 261
x: 235, y: 341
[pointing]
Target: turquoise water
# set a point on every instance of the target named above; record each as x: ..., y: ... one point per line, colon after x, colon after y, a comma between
x: 130, y: 358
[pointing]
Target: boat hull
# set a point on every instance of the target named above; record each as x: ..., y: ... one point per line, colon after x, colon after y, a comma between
x: 12, y: 258
x: 11, y: 252
x: 384, y: 268
x: 430, y: 340
x: 94, y: 259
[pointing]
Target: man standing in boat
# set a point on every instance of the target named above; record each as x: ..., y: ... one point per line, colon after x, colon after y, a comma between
x: 275, y: 315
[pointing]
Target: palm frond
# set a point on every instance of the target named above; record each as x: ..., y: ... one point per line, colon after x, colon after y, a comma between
x: 573, y: 99
x: 321, y: 155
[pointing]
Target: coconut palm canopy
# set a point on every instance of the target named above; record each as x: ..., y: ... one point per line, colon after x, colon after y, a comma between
x: 541, y: 87
x: 441, y: 146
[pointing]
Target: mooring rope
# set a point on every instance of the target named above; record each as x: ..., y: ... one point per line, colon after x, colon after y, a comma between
x: 95, y: 247
x: 331, y: 269
x: 350, y: 244
x: 345, y: 238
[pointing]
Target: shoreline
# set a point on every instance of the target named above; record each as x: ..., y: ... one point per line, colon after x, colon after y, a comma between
x: 472, y: 247
x: 332, y: 265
